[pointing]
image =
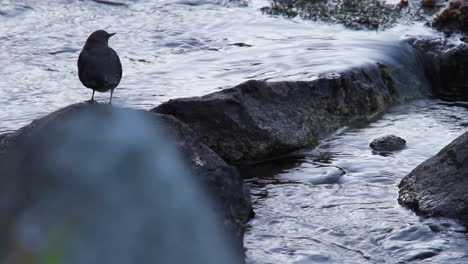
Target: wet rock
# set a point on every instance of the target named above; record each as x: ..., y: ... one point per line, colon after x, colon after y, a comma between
x: 404, y: 3
x: 3, y: 135
x: 388, y: 143
x: 111, y: 3
x: 454, y: 18
x: 438, y: 186
x: 240, y: 44
x: 356, y: 14
x: 257, y: 119
x: 428, y: 3
x: 446, y: 65
x: 221, y: 181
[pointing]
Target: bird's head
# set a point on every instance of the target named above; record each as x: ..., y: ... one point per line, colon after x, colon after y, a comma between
x: 100, y: 37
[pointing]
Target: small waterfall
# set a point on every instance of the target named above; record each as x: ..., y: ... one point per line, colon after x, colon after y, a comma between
x: 406, y: 65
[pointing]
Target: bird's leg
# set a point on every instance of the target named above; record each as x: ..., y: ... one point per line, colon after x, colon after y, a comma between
x: 92, y: 97
x: 110, y: 100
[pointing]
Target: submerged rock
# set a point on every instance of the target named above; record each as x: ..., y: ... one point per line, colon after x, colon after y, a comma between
x: 388, y: 143
x: 438, y: 186
x: 257, y: 119
x: 68, y: 150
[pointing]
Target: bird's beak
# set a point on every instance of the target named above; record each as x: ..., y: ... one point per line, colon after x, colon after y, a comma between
x: 111, y: 34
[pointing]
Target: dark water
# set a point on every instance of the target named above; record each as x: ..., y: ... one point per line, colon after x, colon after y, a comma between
x: 168, y: 49
x: 337, y: 203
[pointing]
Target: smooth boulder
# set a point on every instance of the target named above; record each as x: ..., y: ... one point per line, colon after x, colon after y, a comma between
x: 438, y: 186
x: 388, y: 143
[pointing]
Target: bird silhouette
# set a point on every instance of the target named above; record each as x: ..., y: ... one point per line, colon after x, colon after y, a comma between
x: 99, y: 66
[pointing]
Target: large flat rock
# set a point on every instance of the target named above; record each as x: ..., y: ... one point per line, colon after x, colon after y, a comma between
x: 258, y: 119
x: 438, y: 186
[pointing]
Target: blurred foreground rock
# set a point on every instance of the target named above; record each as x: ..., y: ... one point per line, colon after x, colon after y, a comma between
x: 438, y: 186
x: 96, y: 184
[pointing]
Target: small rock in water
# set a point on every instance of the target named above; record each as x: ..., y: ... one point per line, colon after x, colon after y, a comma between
x: 240, y: 44
x: 388, y: 143
x: 113, y: 3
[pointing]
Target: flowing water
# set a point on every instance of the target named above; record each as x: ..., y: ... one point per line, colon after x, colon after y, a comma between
x: 168, y: 49
x: 337, y: 203
x: 333, y: 204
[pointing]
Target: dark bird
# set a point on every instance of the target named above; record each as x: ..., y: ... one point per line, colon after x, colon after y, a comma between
x: 99, y: 66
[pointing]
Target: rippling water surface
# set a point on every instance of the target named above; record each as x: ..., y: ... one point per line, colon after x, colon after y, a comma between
x: 337, y: 203
x: 168, y: 49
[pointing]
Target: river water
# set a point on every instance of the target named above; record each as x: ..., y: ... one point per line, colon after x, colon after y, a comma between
x: 168, y: 49
x: 332, y: 204
x: 337, y: 203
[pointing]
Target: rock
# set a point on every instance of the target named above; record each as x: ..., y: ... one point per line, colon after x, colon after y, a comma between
x: 257, y: 119
x: 428, y: 3
x: 438, y: 186
x: 28, y: 146
x: 240, y: 44
x: 404, y: 3
x: 454, y: 18
x: 357, y: 14
x: 388, y: 143
x: 446, y: 65
x: 3, y: 135
x: 221, y: 180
